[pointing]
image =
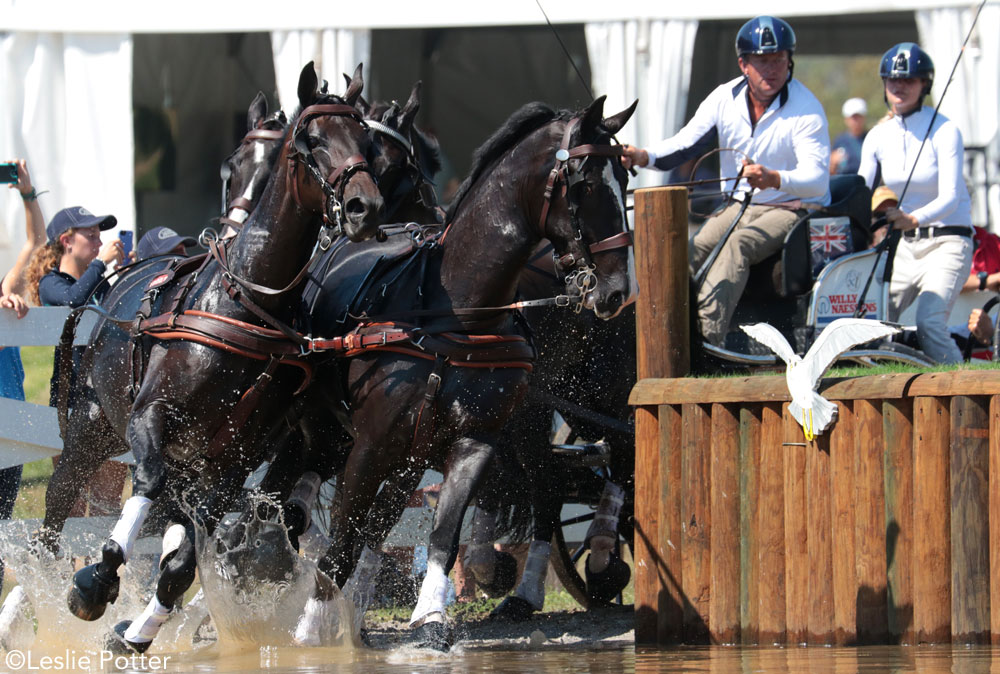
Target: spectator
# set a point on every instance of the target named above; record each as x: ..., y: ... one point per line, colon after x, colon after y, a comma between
x: 11, y: 288
x: 882, y: 200
x: 780, y: 131
x: 162, y: 241
x: 985, y: 272
x: 934, y: 254
x: 846, y: 154
x: 66, y: 272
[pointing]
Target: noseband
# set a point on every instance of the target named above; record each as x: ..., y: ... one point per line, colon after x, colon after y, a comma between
x: 333, y: 186
x: 416, y: 174
x: 558, y: 184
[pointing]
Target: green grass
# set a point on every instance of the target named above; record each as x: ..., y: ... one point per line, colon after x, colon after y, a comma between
x: 30, y: 502
x: 859, y: 370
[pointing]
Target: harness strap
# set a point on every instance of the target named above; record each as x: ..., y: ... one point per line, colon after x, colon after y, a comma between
x: 423, y: 429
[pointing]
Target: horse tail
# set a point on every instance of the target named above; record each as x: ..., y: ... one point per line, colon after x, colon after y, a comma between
x: 66, y: 340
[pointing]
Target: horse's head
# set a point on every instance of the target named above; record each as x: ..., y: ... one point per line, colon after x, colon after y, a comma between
x: 246, y: 171
x: 584, y: 213
x: 405, y: 159
x: 331, y: 144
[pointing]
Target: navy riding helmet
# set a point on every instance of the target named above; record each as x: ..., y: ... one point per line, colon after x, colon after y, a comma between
x: 765, y: 35
x: 907, y: 60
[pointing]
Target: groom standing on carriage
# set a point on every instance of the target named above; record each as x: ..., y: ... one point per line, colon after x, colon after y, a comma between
x: 776, y: 150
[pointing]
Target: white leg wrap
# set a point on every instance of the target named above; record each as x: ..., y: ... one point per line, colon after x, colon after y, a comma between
x: 433, y: 597
x: 133, y: 515
x: 360, y: 587
x: 145, y: 628
x: 172, y: 539
x: 304, y: 493
x: 603, y: 531
x: 17, y: 629
x: 314, y: 543
x: 308, y: 628
x: 532, y: 586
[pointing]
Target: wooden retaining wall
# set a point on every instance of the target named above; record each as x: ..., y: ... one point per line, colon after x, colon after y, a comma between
x: 886, y: 529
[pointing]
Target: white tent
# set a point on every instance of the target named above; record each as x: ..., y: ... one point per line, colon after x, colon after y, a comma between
x: 67, y: 69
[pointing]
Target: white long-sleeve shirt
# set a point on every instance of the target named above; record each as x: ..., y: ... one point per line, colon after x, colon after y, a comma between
x: 937, y: 195
x: 791, y: 137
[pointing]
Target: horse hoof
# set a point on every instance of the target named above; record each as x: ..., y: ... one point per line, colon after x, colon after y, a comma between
x: 513, y: 609
x: 605, y: 586
x: 117, y: 644
x: 434, y: 636
x: 91, y: 593
x: 504, y: 576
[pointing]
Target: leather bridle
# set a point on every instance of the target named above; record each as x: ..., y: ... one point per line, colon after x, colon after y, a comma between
x: 561, y: 179
x: 241, y: 203
x: 420, y: 182
x: 333, y: 186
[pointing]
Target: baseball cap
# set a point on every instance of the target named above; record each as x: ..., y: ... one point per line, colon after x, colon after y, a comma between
x: 76, y: 217
x: 854, y: 106
x: 160, y: 241
x: 881, y: 195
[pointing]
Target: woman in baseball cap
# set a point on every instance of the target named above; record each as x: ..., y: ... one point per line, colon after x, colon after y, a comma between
x: 72, y: 263
x: 162, y: 241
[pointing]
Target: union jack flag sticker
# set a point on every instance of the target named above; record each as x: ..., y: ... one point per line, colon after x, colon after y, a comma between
x: 830, y: 238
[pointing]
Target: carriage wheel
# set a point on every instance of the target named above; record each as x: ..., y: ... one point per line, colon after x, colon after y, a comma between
x: 565, y: 558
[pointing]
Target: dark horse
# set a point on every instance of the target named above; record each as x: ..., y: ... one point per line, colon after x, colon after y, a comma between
x: 437, y: 362
x: 203, y: 407
x: 88, y: 438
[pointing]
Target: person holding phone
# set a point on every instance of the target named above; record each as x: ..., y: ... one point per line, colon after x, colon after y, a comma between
x: 68, y: 271
x: 12, y: 287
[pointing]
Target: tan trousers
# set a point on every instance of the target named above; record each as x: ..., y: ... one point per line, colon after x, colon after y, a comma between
x: 760, y: 234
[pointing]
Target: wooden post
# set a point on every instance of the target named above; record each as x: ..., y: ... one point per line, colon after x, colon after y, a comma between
x: 820, y: 506
x: 661, y: 263
x: 696, y: 517
x: 931, y: 522
x: 662, y: 350
x: 845, y: 575
x: 995, y: 519
x: 749, y: 549
x: 970, y: 507
x: 671, y: 602
x: 771, y: 528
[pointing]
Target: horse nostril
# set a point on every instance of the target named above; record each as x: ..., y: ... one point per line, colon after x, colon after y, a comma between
x: 615, y: 300
x: 355, y: 207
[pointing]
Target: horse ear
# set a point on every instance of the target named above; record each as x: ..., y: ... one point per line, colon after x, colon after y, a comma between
x: 308, y: 83
x: 363, y: 106
x: 257, y: 112
x: 355, y: 86
x: 411, y: 108
x: 615, y: 123
x: 592, y: 117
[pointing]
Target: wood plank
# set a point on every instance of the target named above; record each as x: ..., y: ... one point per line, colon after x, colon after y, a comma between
x: 794, y: 449
x: 696, y: 522
x: 647, y: 506
x: 869, y: 523
x: 845, y: 576
x: 994, y: 450
x: 819, y: 495
x: 771, y: 528
x: 724, y: 604
x: 670, y: 624
x: 897, y: 427
x: 931, y: 521
x: 970, y: 563
x: 650, y: 391
x: 750, y: 436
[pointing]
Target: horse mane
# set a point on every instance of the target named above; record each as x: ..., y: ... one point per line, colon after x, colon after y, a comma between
x: 528, y: 118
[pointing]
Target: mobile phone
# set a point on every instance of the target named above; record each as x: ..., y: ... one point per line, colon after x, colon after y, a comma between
x: 126, y: 239
x: 8, y: 172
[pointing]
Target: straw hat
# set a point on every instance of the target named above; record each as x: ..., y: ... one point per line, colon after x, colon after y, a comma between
x: 881, y: 195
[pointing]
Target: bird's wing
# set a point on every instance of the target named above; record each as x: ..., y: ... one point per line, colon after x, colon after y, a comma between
x: 769, y: 336
x: 841, y: 335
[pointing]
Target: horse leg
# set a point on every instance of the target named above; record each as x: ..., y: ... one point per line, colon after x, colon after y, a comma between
x: 177, y: 572
x: 96, y: 585
x: 89, y: 443
x: 494, y: 571
x: 606, y: 573
x: 467, y: 463
x: 530, y: 593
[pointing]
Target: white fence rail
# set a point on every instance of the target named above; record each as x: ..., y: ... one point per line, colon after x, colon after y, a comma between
x: 30, y: 432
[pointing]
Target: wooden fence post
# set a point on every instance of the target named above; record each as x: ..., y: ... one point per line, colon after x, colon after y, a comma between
x: 661, y: 311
